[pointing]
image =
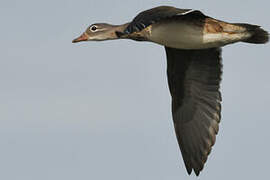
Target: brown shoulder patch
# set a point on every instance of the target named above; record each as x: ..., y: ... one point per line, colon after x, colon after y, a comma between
x: 141, y: 35
x: 212, y: 26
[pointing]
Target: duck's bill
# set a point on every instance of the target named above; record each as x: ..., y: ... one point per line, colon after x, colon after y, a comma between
x: 83, y: 37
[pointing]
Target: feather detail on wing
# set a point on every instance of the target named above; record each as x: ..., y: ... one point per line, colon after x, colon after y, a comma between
x: 194, y: 78
x: 151, y: 16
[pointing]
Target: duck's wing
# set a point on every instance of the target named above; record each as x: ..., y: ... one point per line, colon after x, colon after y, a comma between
x: 194, y: 78
x: 151, y: 16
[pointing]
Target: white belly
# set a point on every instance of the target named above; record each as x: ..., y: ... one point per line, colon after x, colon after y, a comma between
x: 187, y: 36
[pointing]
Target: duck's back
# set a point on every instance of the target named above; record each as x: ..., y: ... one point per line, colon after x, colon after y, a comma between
x: 154, y: 15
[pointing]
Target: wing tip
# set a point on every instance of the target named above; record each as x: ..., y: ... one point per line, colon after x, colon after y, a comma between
x: 196, y: 171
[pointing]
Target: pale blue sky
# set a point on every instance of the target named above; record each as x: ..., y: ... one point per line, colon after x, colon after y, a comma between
x: 101, y: 110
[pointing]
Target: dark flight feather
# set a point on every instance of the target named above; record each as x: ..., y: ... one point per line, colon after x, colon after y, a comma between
x: 194, y: 78
x: 151, y: 16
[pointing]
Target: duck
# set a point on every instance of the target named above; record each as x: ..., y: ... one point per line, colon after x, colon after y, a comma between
x: 193, y: 43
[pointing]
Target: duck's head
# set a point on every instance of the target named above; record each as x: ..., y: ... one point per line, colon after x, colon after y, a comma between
x: 100, y: 32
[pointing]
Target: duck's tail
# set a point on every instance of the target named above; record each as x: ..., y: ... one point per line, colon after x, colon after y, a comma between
x: 257, y: 34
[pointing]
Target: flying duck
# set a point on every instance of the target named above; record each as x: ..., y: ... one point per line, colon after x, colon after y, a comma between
x: 193, y: 44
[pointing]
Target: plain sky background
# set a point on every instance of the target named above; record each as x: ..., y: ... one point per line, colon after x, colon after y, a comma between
x: 101, y: 110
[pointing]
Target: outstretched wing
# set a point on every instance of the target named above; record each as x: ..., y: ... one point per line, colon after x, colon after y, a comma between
x: 194, y: 78
x: 153, y: 15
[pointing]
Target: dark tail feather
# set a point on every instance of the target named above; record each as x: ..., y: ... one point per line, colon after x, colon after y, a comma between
x: 258, y: 35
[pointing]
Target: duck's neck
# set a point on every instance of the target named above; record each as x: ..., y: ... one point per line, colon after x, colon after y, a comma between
x: 117, y: 30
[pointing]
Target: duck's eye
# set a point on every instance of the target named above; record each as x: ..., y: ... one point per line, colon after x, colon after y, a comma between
x: 93, y: 28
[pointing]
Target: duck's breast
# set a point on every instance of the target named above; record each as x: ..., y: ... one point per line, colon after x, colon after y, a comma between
x: 177, y: 34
